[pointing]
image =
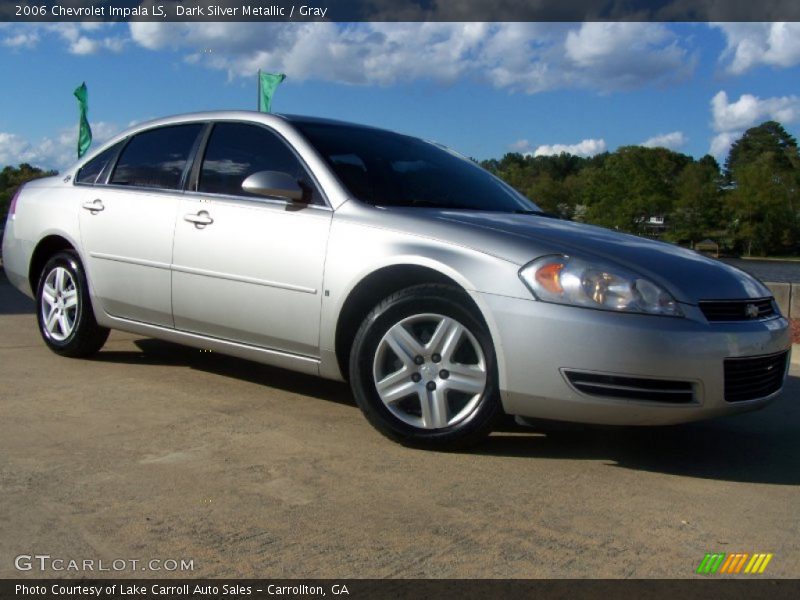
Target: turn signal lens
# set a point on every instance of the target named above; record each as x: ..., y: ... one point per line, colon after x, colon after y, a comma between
x: 548, y: 277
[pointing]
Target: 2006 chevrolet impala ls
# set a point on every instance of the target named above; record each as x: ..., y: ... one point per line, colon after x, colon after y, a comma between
x: 444, y: 296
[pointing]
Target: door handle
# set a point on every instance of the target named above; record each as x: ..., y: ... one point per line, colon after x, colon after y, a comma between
x: 95, y: 205
x: 200, y: 220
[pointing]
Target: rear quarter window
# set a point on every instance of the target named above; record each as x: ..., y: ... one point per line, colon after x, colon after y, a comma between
x: 89, y: 172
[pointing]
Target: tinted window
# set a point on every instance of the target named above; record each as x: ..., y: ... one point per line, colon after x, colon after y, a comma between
x: 88, y: 173
x: 156, y: 158
x: 237, y: 150
x: 389, y: 169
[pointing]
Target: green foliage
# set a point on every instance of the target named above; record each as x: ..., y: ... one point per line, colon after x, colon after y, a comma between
x: 553, y: 181
x: 697, y: 210
x: 753, y: 207
x: 13, y: 177
x: 769, y: 141
x: 764, y: 208
x: 763, y: 169
x: 633, y: 184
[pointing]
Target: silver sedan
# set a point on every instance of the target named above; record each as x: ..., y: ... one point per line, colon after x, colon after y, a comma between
x: 441, y: 294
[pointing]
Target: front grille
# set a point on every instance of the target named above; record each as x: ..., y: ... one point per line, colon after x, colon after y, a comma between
x: 632, y: 388
x: 754, y: 377
x: 739, y: 310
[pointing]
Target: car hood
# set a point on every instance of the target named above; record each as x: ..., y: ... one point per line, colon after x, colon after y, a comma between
x: 689, y: 276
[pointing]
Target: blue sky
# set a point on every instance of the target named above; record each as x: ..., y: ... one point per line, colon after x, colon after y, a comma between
x: 484, y: 89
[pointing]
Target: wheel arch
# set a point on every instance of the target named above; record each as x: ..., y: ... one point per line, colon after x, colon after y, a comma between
x: 388, y: 279
x: 49, y: 245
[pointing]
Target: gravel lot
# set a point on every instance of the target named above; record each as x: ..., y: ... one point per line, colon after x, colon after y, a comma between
x: 155, y: 451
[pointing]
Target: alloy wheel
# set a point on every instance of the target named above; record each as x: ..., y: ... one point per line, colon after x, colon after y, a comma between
x: 59, y: 304
x: 430, y: 371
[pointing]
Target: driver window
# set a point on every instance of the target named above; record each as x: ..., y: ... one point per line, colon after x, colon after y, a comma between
x: 237, y: 150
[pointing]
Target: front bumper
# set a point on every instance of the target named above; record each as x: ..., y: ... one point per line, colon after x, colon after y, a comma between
x: 537, y: 342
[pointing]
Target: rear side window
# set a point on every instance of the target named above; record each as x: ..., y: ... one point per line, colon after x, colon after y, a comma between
x: 237, y: 150
x: 156, y: 158
x: 89, y: 172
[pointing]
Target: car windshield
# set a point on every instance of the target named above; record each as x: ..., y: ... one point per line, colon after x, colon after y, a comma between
x: 389, y: 169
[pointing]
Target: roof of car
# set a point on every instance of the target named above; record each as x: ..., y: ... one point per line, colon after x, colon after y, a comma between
x: 245, y: 115
x: 218, y: 115
x: 303, y: 119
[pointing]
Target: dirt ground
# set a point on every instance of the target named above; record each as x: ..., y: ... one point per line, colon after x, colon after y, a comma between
x: 155, y: 451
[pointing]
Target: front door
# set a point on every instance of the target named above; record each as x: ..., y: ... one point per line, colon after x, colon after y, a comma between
x: 249, y: 268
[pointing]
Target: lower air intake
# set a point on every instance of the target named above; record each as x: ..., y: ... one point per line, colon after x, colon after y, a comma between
x: 632, y: 388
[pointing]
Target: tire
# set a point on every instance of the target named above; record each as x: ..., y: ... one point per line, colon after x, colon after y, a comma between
x: 64, y: 309
x: 432, y: 357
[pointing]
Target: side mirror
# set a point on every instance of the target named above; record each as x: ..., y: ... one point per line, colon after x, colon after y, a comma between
x: 274, y: 184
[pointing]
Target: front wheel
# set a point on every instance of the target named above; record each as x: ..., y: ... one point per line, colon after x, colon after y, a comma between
x: 423, y: 369
x: 66, y: 319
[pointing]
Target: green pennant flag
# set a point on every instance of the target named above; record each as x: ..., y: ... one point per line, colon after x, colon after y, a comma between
x: 267, y: 83
x: 84, y: 131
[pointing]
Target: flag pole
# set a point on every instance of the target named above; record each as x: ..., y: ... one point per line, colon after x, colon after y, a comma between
x: 258, y: 92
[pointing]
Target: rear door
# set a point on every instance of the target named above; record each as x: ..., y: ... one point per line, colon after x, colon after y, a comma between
x: 249, y: 268
x: 127, y: 223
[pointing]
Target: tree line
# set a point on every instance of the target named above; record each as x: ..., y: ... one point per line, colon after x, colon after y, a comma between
x: 750, y: 206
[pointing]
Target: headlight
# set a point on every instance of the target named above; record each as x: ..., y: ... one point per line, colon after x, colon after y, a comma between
x: 569, y: 280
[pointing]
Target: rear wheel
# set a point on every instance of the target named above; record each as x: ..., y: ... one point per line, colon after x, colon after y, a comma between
x: 423, y: 369
x: 66, y: 319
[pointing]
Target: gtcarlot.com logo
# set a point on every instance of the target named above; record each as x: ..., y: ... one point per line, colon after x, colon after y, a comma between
x: 45, y: 562
x: 734, y: 564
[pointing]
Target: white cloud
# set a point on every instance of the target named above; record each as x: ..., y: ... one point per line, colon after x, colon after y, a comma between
x: 84, y: 45
x: 80, y: 38
x: 13, y: 149
x: 519, y: 57
x: 623, y: 54
x: 588, y: 147
x: 749, y: 109
x: 525, y: 57
x: 672, y: 141
x: 22, y: 39
x: 153, y: 35
x: 56, y: 152
x: 749, y: 45
x: 731, y: 119
x: 722, y: 142
x: 523, y: 146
